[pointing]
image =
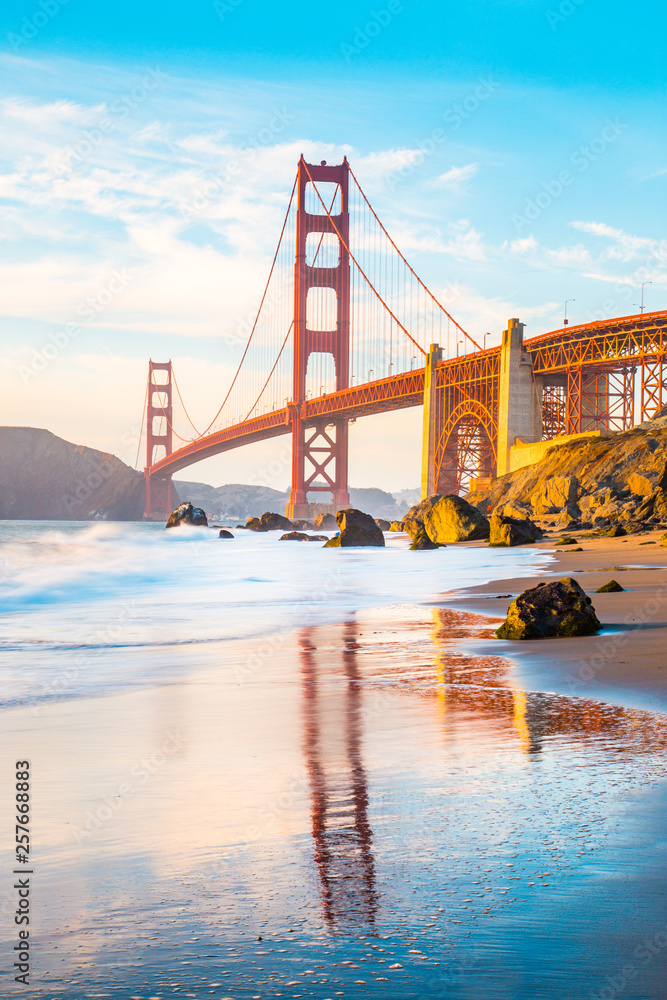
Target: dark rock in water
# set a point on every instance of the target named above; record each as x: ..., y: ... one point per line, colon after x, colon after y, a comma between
x: 509, y: 531
x: 318, y: 538
x: 254, y: 524
x: 616, y: 531
x: 294, y: 536
x: 610, y: 588
x: 326, y: 522
x: 303, y: 525
x: 422, y: 541
x: 241, y: 526
x: 275, y: 522
x: 453, y: 519
x: 225, y: 534
x: 187, y: 514
x: 382, y: 524
x: 556, y: 609
x: 356, y: 529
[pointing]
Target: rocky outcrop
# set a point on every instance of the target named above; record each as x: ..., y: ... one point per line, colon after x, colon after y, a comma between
x: 303, y: 525
x: 589, y: 482
x: 510, y: 531
x: 613, y: 587
x: 187, y: 514
x: 550, y: 610
x: 269, y: 522
x: 224, y: 533
x: 453, y: 519
x: 382, y: 524
x: 396, y: 526
x: 356, y: 529
x: 326, y: 522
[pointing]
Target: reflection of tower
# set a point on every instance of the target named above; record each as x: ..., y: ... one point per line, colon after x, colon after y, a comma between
x: 339, y: 792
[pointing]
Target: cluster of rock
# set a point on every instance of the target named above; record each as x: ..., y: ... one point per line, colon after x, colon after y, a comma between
x: 355, y: 529
x: 563, y: 503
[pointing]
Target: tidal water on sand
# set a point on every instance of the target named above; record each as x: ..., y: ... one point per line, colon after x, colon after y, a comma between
x: 266, y: 769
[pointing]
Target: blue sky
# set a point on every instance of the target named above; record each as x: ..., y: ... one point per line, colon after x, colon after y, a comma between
x: 516, y: 150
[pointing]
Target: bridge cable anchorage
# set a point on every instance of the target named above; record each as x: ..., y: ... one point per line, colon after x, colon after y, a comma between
x: 407, y: 264
x: 359, y: 267
x: 254, y: 326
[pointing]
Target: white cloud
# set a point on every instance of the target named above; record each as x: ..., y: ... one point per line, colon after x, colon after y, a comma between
x: 456, y: 178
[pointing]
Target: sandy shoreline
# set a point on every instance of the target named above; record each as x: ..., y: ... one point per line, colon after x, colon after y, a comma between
x: 626, y: 664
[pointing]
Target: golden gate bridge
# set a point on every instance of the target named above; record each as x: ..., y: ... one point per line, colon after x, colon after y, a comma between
x: 346, y: 328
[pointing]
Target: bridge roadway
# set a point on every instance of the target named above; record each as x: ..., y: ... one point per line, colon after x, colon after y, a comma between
x: 625, y: 342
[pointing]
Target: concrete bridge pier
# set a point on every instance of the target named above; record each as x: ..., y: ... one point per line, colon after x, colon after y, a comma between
x: 519, y: 396
x: 431, y: 429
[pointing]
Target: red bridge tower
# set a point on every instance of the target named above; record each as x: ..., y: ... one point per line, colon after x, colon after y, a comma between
x: 319, y: 452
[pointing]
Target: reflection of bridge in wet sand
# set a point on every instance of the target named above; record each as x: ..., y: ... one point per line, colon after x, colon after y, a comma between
x: 339, y: 789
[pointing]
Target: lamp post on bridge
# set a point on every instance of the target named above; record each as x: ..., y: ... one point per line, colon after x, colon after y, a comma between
x: 641, y: 307
x: 565, y: 319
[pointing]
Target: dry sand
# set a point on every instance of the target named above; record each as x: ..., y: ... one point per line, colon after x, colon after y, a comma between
x: 626, y: 663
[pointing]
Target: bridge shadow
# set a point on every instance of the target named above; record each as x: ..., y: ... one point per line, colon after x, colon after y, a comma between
x: 338, y: 784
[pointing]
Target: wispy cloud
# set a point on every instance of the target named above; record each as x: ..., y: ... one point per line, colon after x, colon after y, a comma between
x: 456, y: 178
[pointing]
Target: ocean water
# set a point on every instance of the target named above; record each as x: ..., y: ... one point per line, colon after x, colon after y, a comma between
x: 87, y: 588
x: 264, y: 769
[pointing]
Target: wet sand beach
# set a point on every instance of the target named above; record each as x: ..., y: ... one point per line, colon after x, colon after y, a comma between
x: 393, y: 805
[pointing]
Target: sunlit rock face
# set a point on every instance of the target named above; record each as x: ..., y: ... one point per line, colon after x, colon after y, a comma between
x: 550, y: 610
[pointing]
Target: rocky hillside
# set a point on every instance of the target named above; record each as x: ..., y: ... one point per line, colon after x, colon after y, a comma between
x: 44, y: 477
x: 592, y: 480
x: 251, y: 501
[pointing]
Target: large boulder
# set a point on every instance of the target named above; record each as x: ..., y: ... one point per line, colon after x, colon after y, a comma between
x: 303, y: 525
x: 413, y: 522
x: 326, y: 522
x: 550, y: 610
x: 269, y: 522
x: 396, y: 526
x: 382, y: 524
x: 453, y: 519
x: 187, y: 514
x: 294, y: 536
x: 509, y: 531
x: 356, y: 529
